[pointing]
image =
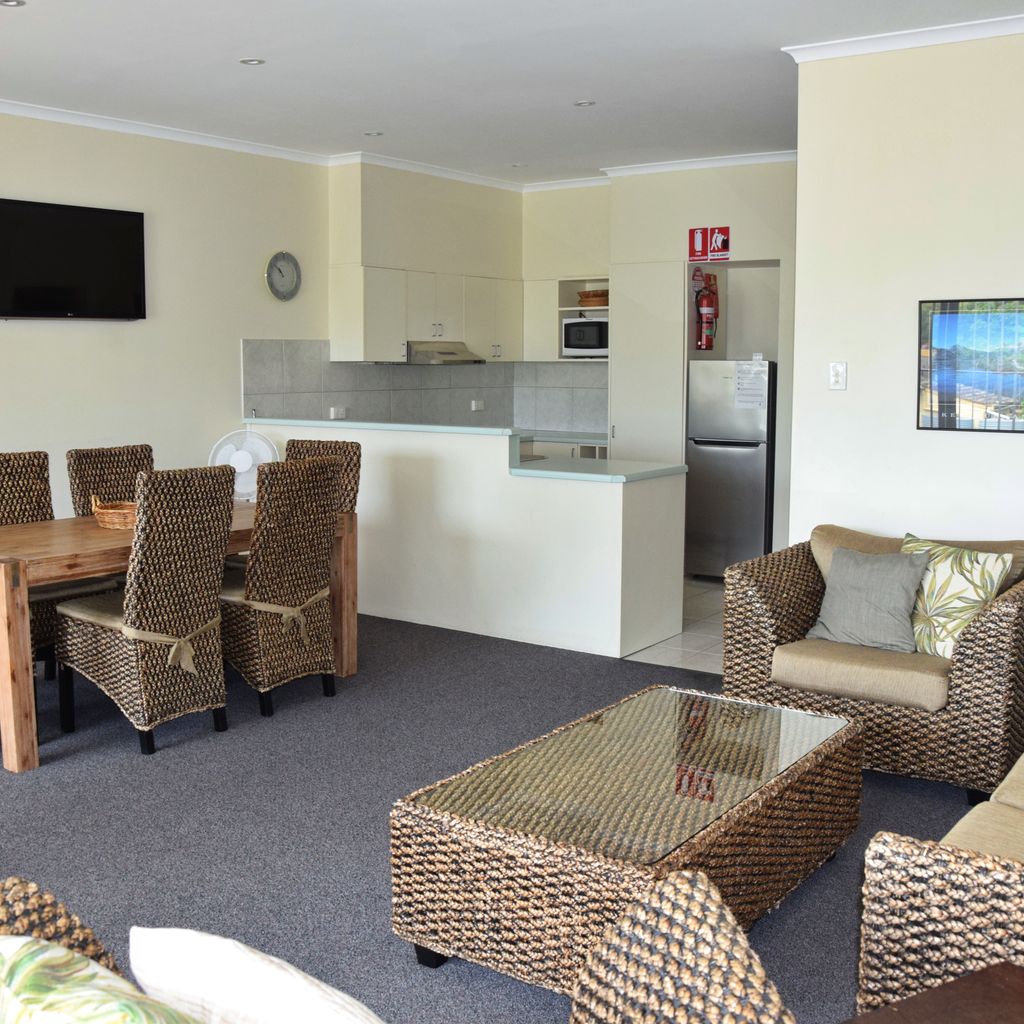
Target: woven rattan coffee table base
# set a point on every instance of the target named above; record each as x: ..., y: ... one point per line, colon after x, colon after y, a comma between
x: 532, y: 908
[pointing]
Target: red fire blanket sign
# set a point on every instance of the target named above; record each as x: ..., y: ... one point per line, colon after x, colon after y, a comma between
x: 709, y: 245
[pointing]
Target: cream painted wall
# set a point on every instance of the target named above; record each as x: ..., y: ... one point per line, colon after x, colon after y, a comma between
x: 650, y: 217
x: 565, y: 233
x: 910, y: 189
x: 345, y: 214
x: 213, y: 218
x: 416, y: 221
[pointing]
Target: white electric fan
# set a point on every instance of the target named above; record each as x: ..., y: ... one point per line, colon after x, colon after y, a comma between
x: 246, y: 450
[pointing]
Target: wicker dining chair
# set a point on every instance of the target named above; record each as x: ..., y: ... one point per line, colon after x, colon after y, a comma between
x: 107, y: 473
x: 277, y: 611
x: 25, y: 498
x: 676, y: 956
x: 155, y: 650
x: 350, y: 452
x: 26, y: 909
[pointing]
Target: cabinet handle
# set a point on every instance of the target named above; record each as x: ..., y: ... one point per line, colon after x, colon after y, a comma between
x: 499, y: 351
x: 440, y: 330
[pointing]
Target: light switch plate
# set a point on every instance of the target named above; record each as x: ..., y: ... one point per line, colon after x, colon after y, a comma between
x: 837, y: 376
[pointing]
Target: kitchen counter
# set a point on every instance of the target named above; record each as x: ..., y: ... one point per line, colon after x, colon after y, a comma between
x: 582, y: 554
x: 609, y: 471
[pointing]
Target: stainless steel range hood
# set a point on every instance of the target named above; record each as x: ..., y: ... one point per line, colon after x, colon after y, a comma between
x: 440, y: 353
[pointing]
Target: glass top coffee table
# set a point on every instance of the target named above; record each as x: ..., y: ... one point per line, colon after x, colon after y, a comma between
x: 520, y: 862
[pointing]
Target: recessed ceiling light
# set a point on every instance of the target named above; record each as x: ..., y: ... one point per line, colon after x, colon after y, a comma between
x: 248, y: 61
x: 373, y: 135
x: 585, y: 103
x: 12, y: 3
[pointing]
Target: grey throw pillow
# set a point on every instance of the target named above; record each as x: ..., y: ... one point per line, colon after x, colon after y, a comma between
x: 869, y: 600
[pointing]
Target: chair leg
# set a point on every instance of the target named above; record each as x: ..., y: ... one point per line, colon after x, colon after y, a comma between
x: 146, y: 743
x: 328, y: 680
x: 266, y: 703
x: 50, y: 664
x: 66, y: 698
x: 220, y: 719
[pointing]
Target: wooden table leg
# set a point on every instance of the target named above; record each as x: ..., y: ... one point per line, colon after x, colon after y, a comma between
x: 17, y: 698
x: 344, y: 591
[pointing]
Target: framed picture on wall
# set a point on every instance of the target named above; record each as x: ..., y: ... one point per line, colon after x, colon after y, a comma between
x: 971, y: 365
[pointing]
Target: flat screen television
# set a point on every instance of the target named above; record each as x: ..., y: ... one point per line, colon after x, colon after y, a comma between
x: 61, y: 262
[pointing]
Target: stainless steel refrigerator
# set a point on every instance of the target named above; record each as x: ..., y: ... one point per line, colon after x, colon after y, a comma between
x: 730, y: 459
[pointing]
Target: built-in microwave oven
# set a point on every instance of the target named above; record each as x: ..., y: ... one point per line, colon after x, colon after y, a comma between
x: 585, y: 338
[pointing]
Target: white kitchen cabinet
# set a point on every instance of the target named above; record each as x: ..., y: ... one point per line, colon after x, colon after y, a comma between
x: 508, y: 320
x: 433, y: 306
x: 540, y: 321
x: 367, y: 313
x: 494, y: 318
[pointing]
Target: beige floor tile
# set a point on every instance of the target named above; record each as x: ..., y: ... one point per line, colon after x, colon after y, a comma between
x: 703, y: 662
x: 690, y: 641
x: 699, y: 607
x: 711, y: 625
x: 665, y: 657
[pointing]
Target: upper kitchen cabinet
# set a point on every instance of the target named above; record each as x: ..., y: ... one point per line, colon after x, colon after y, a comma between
x: 367, y: 310
x: 433, y: 306
x: 540, y: 331
x: 494, y: 318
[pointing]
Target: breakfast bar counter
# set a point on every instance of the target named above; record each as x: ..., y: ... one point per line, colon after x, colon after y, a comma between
x: 583, y: 554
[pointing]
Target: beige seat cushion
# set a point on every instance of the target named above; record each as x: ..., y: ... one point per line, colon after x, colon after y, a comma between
x: 99, y: 609
x: 233, y: 587
x: 909, y: 680
x: 825, y: 540
x: 992, y: 828
x: 1011, y: 790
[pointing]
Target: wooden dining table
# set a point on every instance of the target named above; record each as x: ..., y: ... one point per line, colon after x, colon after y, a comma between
x: 61, y: 550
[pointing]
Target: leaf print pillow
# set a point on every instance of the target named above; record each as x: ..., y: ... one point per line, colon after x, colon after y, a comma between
x: 44, y: 983
x: 958, y: 583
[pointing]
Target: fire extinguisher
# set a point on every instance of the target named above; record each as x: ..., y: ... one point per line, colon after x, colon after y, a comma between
x: 706, y: 300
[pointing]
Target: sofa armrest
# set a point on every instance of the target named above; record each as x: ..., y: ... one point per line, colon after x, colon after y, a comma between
x: 931, y: 913
x: 986, y: 682
x: 768, y: 601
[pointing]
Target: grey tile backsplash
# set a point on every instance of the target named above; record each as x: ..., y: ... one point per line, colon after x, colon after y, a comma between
x: 297, y: 380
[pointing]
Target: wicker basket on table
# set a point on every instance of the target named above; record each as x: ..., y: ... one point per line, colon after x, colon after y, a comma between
x: 115, y: 515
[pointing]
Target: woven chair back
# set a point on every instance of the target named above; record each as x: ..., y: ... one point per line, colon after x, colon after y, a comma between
x: 26, y: 909
x: 109, y: 473
x: 177, y: 560
x: 676, y: 955
x: 297, y: 508
x: 24, y: 488
x: 350, y: 452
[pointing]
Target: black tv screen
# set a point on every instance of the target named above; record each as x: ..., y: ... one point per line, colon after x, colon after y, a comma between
x: 59, y: 261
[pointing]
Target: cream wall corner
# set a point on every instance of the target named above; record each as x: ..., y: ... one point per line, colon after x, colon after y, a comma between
x: 909, y: 190
x: 212, y: 218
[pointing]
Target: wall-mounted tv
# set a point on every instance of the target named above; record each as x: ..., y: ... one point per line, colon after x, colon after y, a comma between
x: 61, y: 262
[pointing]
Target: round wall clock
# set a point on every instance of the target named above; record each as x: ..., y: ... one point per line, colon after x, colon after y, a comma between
x: 284, y: 276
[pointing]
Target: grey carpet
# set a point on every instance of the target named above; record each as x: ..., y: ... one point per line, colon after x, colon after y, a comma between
x: 275, y: 832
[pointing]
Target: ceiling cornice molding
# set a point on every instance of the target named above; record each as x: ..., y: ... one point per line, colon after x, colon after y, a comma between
x: 377, y: 160
x: 908, y: 40
x: 552, y: 186
x: 155, y: 131
x: 702, y: 163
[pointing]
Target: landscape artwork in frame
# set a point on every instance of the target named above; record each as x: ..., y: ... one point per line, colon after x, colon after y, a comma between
x: 971, y: 365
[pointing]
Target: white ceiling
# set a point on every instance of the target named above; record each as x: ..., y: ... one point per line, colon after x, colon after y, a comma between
x: 462, y: 84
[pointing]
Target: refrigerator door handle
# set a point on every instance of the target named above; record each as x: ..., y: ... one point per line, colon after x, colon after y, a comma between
x: 703, y: 442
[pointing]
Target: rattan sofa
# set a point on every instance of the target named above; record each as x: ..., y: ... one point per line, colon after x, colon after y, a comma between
x: 936, y: 910
x: 959, y: 721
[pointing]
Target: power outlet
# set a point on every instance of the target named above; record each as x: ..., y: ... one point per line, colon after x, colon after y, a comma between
x: 337, y: 412
x: 476, y: 405
x: 837, y: 376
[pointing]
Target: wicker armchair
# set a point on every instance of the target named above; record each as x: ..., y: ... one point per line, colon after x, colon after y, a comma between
x: 155, y: 650
x: 972, y: 741
x: 109, y: 473
x: 677, y: 956
x: 932, y: 912
x: 25, y: 909
x: 277, y: 611
x: 25, y: 498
